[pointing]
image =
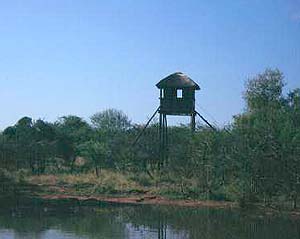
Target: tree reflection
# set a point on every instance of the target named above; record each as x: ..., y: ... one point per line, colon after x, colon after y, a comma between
x: 35, y: 219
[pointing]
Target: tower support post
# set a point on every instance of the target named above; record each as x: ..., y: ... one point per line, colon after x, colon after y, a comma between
x: 163, y: 139
x: 193, y: 121
x: 160, y: 139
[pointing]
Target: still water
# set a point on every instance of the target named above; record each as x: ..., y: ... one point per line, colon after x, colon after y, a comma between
x: 64, y: 220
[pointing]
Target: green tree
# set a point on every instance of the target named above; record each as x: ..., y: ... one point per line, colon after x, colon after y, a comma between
x: 111, y: 120
x: 259, y: 130
x: 71, y: 132
x: 264, y: 90
x: 112, y: 127
x: 96, y: 152
x: 290, y: 139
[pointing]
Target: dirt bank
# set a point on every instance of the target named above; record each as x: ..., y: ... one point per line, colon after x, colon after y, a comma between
x: 146, y: 199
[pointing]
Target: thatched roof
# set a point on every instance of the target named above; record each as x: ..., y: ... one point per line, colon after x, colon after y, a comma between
x: 177, y: 80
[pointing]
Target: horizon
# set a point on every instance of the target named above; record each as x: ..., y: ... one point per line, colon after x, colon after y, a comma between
x: 61, y: 58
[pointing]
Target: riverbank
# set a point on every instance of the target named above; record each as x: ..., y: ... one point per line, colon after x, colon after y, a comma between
x: 256, y: 210
x: 121, y: 188
x: 143, y: 199
x: 112, y: 187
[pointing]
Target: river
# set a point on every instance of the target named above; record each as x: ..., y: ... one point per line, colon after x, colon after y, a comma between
x: 34, y: 219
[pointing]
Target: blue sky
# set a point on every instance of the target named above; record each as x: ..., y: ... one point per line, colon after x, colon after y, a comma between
x: 63, y: 57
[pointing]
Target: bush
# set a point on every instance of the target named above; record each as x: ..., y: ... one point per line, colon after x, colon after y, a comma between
x: 6, y: 176
x: 142, y: 178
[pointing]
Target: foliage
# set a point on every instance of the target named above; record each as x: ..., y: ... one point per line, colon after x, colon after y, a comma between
x: 111, y: 120
x: 96, y: 152
x: 254, y: 159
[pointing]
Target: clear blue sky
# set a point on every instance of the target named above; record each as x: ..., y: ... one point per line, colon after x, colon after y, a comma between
x: 63, y: 57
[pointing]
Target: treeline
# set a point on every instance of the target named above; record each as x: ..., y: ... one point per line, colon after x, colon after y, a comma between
x: 255, y: 158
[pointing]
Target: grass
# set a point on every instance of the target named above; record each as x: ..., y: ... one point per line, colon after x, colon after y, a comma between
x: 127, y: 185
x: 114, y: 184
x: 109, y: 182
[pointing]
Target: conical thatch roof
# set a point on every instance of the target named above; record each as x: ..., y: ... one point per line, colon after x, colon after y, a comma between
x: 177, y: 80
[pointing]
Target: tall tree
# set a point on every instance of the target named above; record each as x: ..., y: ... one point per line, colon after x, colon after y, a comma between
x: 259, y: 130
x: 72, y: 131
x: 112, y: 127
x: 111, y: 120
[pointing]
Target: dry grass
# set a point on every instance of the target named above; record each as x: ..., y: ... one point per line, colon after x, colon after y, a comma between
x: 108, y: 182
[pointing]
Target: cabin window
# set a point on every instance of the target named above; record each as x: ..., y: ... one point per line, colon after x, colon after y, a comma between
x: 179, y: 93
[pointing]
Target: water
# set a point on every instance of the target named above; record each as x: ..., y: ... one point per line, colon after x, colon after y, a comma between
x: 64, y: 220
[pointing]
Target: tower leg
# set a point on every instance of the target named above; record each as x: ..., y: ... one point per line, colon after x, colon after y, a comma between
x: 160, y: 140
x: 193, y: 122
x: 163, y: 140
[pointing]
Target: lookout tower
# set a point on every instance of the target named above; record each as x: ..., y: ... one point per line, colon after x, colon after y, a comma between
x: 177, y: 96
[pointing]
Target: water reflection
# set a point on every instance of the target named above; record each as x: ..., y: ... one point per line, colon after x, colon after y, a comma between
x: 43, y: 220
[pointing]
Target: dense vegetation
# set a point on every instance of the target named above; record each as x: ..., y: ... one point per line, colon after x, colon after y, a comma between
x: 254, y: 159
